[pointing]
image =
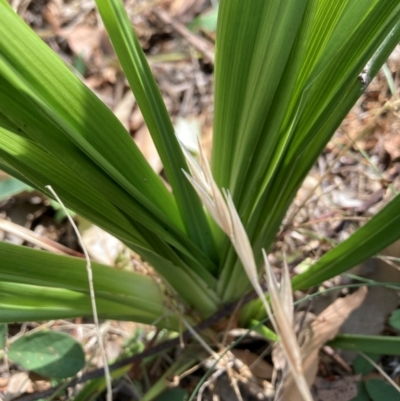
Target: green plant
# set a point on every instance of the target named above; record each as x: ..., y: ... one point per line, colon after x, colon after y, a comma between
x: 286, y: 74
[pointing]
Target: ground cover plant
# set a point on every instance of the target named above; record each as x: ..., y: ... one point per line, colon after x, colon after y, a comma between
x: 286, y: 75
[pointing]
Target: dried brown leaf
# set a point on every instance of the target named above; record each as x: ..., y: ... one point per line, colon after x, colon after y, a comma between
x: 257, y: 366
x: 82, y: 39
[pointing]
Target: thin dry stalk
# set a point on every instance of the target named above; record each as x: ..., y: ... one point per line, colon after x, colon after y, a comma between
x: 282, y: 305
x: 381, y: 371
x: 107, y: 375
x: 223, y: 211
x: 323, y: 328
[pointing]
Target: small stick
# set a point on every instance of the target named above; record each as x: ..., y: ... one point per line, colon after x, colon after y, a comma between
x: 92, y: 297
x: 36, y: 239
x: 198, y: 42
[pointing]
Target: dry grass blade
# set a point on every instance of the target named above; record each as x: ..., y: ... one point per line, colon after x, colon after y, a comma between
x: 107, y: 375
x: 324, y: 328
x: 36, y: 239
x: 282, y: 305
x: 223, y: 210
x: 381, y: 371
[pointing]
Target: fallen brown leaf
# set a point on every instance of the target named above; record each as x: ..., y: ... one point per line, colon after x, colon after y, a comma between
x: 391, y: 143
x: 343, y: 389
x: 82, y: 39
x: 257, y: 366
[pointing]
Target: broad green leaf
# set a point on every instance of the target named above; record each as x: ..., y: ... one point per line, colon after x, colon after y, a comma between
x: 49, y: 353
x: 383, y: 345
x: 253, y: 48
x: 380, y: 390
x: 149, y: 99
x: 330, y: 96
x: 362, y: 394
x: 254, y: 45
x: 75, y: 129
x: 29, y: 266
x: 395, y: 319
x: 41, y: 169
x: 295, y: 109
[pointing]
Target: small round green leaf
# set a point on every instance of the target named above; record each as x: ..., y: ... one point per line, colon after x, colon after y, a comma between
x: 362, y: 394
x: 48, y: 353
x: 379, y: 390
x: 395, y: 319
x: 362, y: 366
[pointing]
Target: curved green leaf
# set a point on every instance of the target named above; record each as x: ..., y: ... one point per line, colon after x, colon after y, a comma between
x: 382, y: 230
x: 147, y: 94
x: 383, y: 345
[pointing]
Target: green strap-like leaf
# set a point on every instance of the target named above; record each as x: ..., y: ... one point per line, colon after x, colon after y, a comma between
x: 316, y: 89
x: 254, y: 44
x: 35, y: 77
x: 383, y: 345
x: 22, y: 265
x: 382, y: 230
x: 90, y: 194
x: 331, y: 96
x: 27, y: 303
x: 149, y: 99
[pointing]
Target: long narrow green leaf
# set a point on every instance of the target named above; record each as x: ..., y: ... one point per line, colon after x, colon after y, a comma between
x: 30, y: 266
x: 50, y: 90
x: 149, y: 99
x: 254, y: 44
x: 326, y: 103
x: 195, y: 291
x: 384, y: 345
x: 41, y: 169
x: 382, y: 230
x: 191, y: 283
x: 312, y: 110
x: 268, y: 150
x: 24, y: 302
